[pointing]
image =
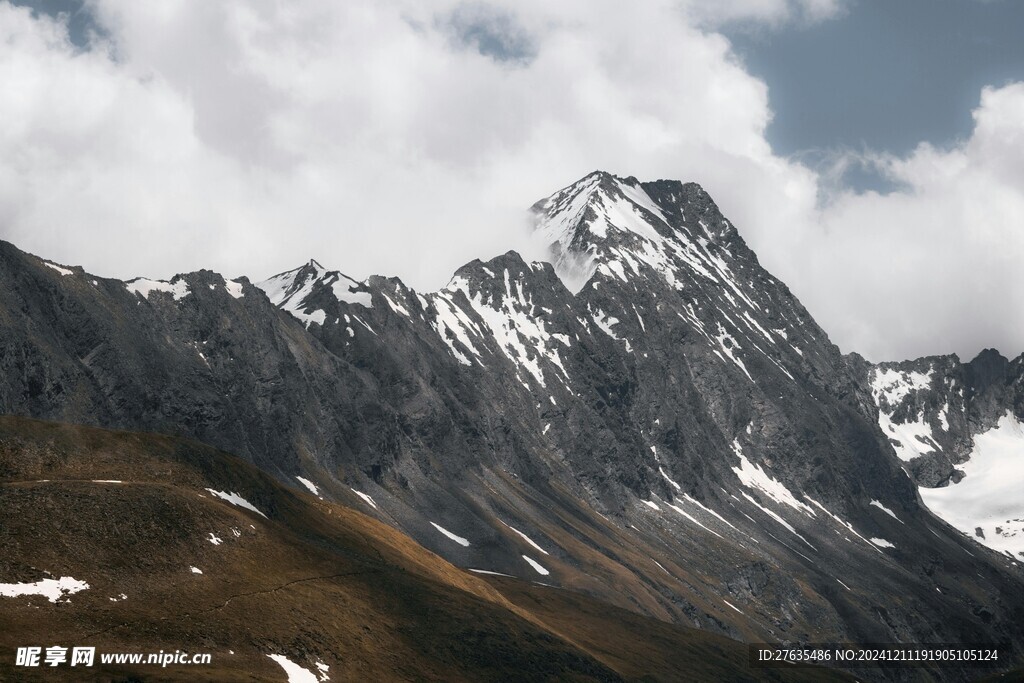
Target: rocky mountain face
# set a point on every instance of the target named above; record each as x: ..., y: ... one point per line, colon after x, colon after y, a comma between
x: 957, y: 428
x: 653, y: 419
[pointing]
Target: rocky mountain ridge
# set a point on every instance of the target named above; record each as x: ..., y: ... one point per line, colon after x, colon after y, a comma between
x: 654, y: 419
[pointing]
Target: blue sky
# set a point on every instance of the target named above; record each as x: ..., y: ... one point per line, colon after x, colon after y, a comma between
x: 883, y: 75
x: 872, y: 153
x: 886, y: 75
x: 79, y: 19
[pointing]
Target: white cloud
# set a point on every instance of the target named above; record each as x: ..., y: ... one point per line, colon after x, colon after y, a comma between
x: 249, y: 136
x: 935, y: 267
x: 394, y: 137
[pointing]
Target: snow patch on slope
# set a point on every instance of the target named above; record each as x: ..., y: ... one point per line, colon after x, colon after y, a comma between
x: 776, y: 517
x: 840, y: 521
x: 508, y: 316
x: 52, y: 589
x: 989, y: 497
x: 536, y: 565
x: 458, y: 539
x: 893, y: 386
x: 62, y: 271
x: 526, y: 538
x: 605, y: 322
x: 309, y: 485
x: 236, y: 499
x: 729, y: 346
x: 346, y: 289
x: 693, y: 519
x: 754, y: 477
x: 234, y: 288
x: 140, y: 286
x: 452, y: 324
x: 708, y: 510
x: 667, y: 478
x: 733, y: 606
x: 296, y: 673
x: 886, y: 510
x: 910, y: 439
x: 368, y: 499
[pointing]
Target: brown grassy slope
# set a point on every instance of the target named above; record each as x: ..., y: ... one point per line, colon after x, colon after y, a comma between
x: 636, y: 646
x: 313, y: 581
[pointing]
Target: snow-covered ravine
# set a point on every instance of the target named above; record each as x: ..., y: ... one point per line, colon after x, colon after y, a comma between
x: 990, y: 497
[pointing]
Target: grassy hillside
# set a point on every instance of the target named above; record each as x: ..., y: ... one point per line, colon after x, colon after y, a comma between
x: 131, y: 515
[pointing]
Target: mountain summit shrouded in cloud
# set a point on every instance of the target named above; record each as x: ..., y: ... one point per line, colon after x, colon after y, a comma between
x: 246, y: 136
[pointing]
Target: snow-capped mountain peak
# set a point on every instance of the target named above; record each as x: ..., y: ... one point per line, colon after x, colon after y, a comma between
x: 586, y: 221
x: 298, y: 291
x: 283, y: 287
x: 620, y: 240
x: 619, y: 224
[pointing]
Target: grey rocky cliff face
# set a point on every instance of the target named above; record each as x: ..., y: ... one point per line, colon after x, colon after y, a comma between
x: 959, y: 430
x: 672, y: 431
x: 952, y: 401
